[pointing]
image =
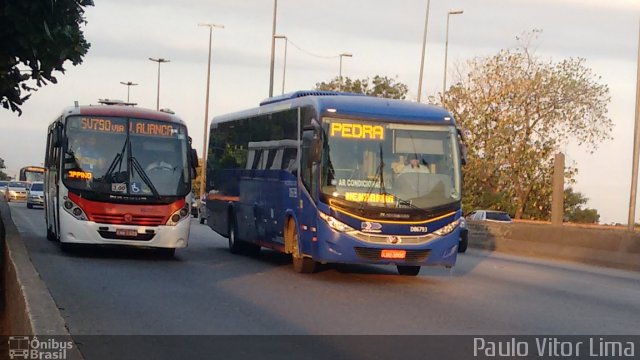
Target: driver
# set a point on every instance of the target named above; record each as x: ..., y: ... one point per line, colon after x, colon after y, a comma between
x: 88, y: 156
x: 159, y: 164
x: 415, y: 165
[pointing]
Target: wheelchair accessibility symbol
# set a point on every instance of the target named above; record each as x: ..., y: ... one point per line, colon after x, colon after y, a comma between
x: 136, y: 187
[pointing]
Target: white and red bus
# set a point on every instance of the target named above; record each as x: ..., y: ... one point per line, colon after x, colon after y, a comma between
x: 118, y: 174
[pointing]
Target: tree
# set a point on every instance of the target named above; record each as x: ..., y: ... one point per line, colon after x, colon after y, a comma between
x: 3, y: 176
x: 37, y: 38
x: 517, y: 111
x: 380, y: 86
x: 195, y: 183
x: 573, y: 210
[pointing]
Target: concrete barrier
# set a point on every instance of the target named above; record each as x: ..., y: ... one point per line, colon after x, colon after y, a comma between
x: 27, y: 305
x: 615, y: 248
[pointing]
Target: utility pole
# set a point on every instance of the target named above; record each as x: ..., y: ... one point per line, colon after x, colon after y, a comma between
x: 273, y: 47
x: 424, y: 45
x: 636, y: 149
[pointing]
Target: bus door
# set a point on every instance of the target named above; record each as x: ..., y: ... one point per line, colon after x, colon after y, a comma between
x: 308, y: 194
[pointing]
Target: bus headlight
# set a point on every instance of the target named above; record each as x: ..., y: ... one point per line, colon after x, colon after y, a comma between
x: 75, y: 210
x: 336, y: 224
x: 179, y: 215
x: 447, y: 228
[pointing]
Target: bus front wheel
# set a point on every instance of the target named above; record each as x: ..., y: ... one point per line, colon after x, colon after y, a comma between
x: 301, y: 264
x: 51, y: 236
x: 408, y: 270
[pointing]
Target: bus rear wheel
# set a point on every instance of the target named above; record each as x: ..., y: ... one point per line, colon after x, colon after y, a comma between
x: 408, y: 270
x: 235, y: 247
x: 301, y: 264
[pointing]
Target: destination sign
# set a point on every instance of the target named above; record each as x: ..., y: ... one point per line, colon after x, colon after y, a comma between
x: 372, y: 198
x: 136, y: 127
x: 79, y: 175
x: 357, y: 131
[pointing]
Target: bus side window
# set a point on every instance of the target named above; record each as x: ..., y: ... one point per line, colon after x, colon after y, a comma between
x: 289, y: 160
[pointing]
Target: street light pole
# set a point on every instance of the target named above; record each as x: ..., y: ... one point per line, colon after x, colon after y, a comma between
x: 273, y: 47
x: 206, y: 109
x: 636, y: 149
x: 284, y: 68
x: 128, y: 84
x: 446, y: 49
x: 159, y: 61
x: 340, y: 74
x: 424, y: 45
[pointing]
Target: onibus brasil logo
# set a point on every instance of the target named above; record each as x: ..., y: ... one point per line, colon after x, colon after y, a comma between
x: 32, y: 348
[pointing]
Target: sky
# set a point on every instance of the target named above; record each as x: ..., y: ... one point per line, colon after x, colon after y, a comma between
x: 385, y: 38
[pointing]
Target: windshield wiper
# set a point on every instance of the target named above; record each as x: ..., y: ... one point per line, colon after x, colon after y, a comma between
x: 117, y: 162
x: 143, y: 175
x: 378, y: 176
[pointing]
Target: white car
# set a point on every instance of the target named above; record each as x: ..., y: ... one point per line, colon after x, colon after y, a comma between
x: 489, y: 215
x: 3, y: 189
x: 35, y: 194
x: 16, y: 190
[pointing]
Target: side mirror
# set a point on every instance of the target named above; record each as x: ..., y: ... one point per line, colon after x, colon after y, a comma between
x: 194, y: 159
x: 311, y: 139
x: 56, y: 137
x: 463, y: 148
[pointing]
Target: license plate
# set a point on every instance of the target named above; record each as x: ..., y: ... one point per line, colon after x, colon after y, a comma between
x: 127, y: 232
x: 393, y: 254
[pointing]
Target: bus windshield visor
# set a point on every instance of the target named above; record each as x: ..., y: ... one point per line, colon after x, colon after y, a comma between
x: 126, y: 157
x: 390, y: 165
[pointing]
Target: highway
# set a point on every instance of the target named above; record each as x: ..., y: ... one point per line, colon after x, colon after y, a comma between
x: 207, y: 290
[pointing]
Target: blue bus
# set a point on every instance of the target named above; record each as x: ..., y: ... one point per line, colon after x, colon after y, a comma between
x: 333, y: 177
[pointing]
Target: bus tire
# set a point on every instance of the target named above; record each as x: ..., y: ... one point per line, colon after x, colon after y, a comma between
x: 464, y: 242
x: 51, y: 236
x: 166, y: 253
x: 408, y: 270
x: 301, y: 264
x: 235, y: 246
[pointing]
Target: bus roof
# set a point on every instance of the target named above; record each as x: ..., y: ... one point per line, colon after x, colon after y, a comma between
x: 120, y: 110
x: 336, y: 104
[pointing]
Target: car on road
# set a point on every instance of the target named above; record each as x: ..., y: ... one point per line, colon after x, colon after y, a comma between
x: 464, y: 235
x: 489, y: 215
x: 3, y: 189
x: 35, y: 194
x: 16, y: 191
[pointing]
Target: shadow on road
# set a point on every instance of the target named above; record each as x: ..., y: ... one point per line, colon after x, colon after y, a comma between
x: 117, y: 251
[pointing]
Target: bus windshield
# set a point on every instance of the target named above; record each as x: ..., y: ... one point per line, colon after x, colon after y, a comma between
x: 126, y: 157
x: 32, y: 174
x: 390, y: 165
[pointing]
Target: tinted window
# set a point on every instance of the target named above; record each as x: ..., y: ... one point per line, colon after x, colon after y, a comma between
x: 498, y: 216
x: 36, y: 187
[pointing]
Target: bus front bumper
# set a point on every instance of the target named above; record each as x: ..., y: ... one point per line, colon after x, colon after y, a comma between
x: 336, y: 247
x: 89, y: 232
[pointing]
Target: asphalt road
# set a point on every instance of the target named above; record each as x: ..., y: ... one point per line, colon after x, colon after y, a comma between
x: 207, y: 290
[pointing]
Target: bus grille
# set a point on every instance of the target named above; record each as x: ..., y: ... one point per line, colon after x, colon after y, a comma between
x: 136, y: 220
x: 413, y: 256
x: 383, y: 239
